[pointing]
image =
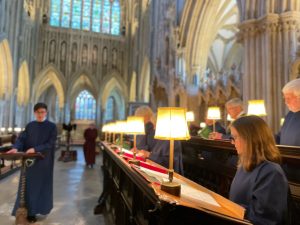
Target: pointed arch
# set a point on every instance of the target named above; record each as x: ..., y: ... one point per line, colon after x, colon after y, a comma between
x: 132, y: 94
x: 6, y: 70
x: 48, y: 77
x: 144, y: 83
x: 23, y: 85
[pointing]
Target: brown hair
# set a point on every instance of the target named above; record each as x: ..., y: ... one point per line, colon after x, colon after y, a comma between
x: 259, y: 142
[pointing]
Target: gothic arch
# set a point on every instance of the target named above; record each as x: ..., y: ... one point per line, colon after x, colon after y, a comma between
x: 113, y: 87
x: 6, y: 70
x: 48, y: 77
x: 23, y: 93
x: 144, y: 82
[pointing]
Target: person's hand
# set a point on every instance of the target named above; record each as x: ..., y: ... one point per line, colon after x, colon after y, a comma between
x: 30, y: 150
x: 14, y: 150
x: 215, y: 136
x: 143, y: 153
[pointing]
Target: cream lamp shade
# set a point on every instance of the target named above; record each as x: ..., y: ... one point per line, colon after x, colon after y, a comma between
x: 104, y: 128
x: 18, y: 129
x: 190, y: 117
x: 2, y: 129
x: 228, y: 118
x: 281, y: 121
x: 135, y: 125
x: 202, y: 124
x: 171, y: 124
x: 213, y: 113
x: 256, y: 107
x: 9, y: 129
x: 121, y: 126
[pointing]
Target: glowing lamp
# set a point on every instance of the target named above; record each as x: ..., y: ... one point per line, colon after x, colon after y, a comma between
x: 135, y: 126
x: 171, y: 125
x: 213, y: 113
x: 256, y: 107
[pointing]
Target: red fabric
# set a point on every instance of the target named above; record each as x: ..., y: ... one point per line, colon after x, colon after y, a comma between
x: 89, y: 147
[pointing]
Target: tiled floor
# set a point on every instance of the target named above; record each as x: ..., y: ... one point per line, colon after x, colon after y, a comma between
x: 76, y: 190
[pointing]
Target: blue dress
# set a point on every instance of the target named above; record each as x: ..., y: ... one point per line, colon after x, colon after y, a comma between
x: 39, y: 177
x: 290, y: 130
x: 263, y: 192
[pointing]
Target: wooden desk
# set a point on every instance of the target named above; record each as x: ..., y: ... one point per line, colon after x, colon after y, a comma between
x: 213, y: 163
x: 129, y: 198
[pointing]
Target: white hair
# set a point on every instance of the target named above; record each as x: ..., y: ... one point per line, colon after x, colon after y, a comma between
x: 292, y: 87
x: 234, y: 102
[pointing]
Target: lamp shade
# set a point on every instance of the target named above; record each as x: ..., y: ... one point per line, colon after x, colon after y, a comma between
x: 229, y: 118
x: 171, y: 124
x: 104, y: 128
x: 135, y: 125
x: 18, y: 129
x: 2, y: 129
x: 9, y: 129
x: 121, y: 126
x: 213, y: 113
x: 281, y: 121
x: 190, y: 117
x: 256, y: 107
x: 202, y: 124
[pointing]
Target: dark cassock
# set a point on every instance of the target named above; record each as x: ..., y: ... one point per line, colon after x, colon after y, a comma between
x: 89, y: 147
x: 39, y: 177
x: 290, y: 130
x: 143, y: 142
x: 160, y: 153
x: 263, y: 192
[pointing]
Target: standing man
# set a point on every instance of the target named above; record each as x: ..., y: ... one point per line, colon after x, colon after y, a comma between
x: 235, y: 109
x: 290, y: 130
x: 39, y: 136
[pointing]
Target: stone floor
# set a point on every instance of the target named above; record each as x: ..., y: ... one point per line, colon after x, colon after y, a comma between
x: 76, y: 190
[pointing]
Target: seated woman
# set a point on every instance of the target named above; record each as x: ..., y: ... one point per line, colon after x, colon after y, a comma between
x: 260, y: 184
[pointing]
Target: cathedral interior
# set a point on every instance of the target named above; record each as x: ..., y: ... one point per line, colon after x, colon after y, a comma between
x: 97, y: 60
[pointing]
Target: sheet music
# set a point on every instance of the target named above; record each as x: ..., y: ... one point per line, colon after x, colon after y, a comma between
x: 186, y: 191
x: 190, y: 192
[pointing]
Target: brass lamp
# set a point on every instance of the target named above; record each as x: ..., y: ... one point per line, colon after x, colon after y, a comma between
x: 256, y: 107
x: 121, y: 129
x: 213, y: 113
x: 171, y: 125
x: 135, y: 125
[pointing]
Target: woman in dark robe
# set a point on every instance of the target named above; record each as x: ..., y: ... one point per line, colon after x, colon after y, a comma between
x: 39, y: 136
x: 89, y: 147
x: 259, y: 185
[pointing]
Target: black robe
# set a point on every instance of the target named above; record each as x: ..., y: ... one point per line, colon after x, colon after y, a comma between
x: 39, y: 177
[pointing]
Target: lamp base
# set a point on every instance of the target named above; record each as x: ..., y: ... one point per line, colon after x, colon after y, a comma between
x: 134, y: 161
x: 172, y: 188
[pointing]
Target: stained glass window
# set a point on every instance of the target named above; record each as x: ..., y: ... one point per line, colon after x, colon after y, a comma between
x: 66, y: 11
x: 86, y: 17
x: 85, y: 106
x: 115, y: 18
x: 55, y: 13
x: 110, y: 108
x: 76, y: 14
x: 96, y: 15
x: 102, y: 16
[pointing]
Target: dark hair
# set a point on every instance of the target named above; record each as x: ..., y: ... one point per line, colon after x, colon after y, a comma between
x: 259, y: 142
x: 39, y: 105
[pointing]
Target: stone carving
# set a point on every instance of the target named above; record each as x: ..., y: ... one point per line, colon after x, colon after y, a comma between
x: 52, y: 51
x: 74, y: 56
x: 84, y: 55
x: 63, y: 57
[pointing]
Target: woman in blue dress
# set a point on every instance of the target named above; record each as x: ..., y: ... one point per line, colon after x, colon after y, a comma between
x: 260, y: 185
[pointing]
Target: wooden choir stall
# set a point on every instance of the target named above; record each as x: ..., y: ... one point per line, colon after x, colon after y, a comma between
x: 213, y: 164
x: 132, y: 196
